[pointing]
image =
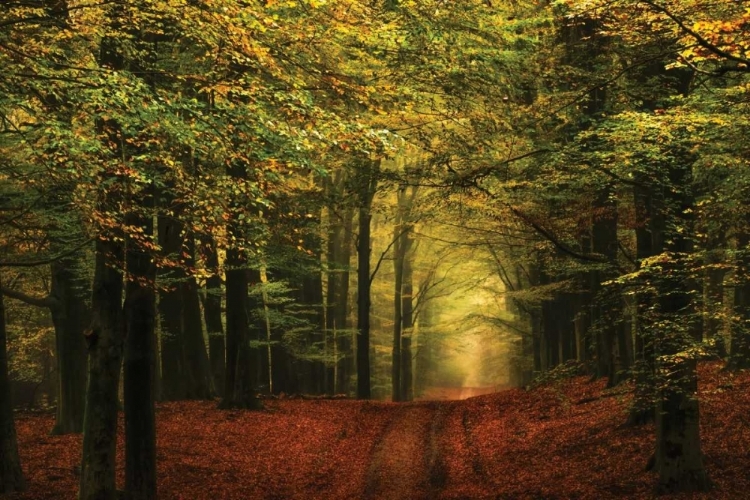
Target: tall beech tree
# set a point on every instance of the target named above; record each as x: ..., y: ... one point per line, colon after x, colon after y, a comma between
x: 140, y: 357
x: 11, y: 475
x: 563, y: 137
x: 403, y: 240
x: 367, y: 182
x: 238, y: 383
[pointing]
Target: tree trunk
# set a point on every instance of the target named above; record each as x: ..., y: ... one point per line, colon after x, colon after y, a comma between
x: 311, y: 296
x: 105, y: 345
x: 648, y: 231
x: 714, y: 306
x: 341, y: 311
x: 104, y: 339
x: 368, y: 184
x: 212, y: 315
x: 398, y: 266
x: 139, y: 365
x: 69, y: 315
x: 199, y: 379
x: 679, y: 460
x: 407, y: 322
x: 608, y: 305
x: 174, y: 382
x: 11, y: 476
x: 739, y: 355
x: 238, y: 384
x: 337, y: 295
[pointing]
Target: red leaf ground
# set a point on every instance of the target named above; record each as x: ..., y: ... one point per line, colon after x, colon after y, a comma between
x: 561, y: 441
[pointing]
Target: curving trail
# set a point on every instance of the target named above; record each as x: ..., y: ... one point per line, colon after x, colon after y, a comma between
x: 407, y: 461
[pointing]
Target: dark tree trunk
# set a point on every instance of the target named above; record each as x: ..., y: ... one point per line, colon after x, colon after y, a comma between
x: 69, y: 315
x: 238, y: 383
x: 199, y: 379
x: 68, y: 310
x: 368, y: 183
x: 11, y: 476
x: 310, y: 371
x: 174, y: 372
x: 407, y: 322
x: 402, y: 243
x: 238, y: 389
x: 398, y: 260
x: 104, y: 339
x: 714, y: 305
x: 139, y: 365
x: 337, y: 295
x: 608, y: 305
x: 679, y: 460
x: 212, y: 315
x: 739, y: 355
x: 648, y: 230
x: 105, y: 345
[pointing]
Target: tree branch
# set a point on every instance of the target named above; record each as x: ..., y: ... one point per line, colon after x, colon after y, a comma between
x: 44, y: 262
x: 699, y: 38
x: 48, y: 301
x: 557, y: 243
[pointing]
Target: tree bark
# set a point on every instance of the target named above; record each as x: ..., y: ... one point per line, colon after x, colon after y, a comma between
x: 679, y: 460
x: 199, y: 380
x: 368, y: 184
x: 69, y: 314
x: 338, y: 297
x: 212, y: 314
x: 140, y: 364
x: 11, y: 476
x: 739, y: 348
x: 608, y: 306
x: 407, y: 321
x: 238, y: 384
x: 174, y: 383
x: 105, y: 345
x: 398, y: 266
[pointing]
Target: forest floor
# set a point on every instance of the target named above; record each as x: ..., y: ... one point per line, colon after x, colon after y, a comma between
x: 564, y: 440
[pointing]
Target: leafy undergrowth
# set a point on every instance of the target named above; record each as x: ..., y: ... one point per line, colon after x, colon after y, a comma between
x: 558, y: 441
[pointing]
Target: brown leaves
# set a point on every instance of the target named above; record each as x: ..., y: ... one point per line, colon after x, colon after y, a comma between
x: 560, y: 441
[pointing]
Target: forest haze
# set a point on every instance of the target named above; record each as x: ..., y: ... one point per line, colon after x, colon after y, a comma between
x: 213, y: 206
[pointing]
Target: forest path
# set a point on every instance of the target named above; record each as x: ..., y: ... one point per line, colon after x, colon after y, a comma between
x: 407, y: 461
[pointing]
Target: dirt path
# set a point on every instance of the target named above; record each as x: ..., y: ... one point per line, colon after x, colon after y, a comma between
x: 407, y: 462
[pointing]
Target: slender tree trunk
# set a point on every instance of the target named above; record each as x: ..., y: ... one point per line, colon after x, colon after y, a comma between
x: 238, y: 384
x: 237, y: 392
x: 105, y: 345
x: 311, y: 295
x: 648, y: 231
x: 337, y: 258
x: 199, y: 379
x: 739, y: 355
x: 174, y: 372
x: 212, y: 314
x: 11, y: 476
x: 714, y: 306
x: 104, y: 339
x: 398, y: 265
x: 407, y: 321
x: 69, y: 314
x: 139, y: 365
x: 679, y: 460
x: 608, y: 305
x: 367, y: 191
